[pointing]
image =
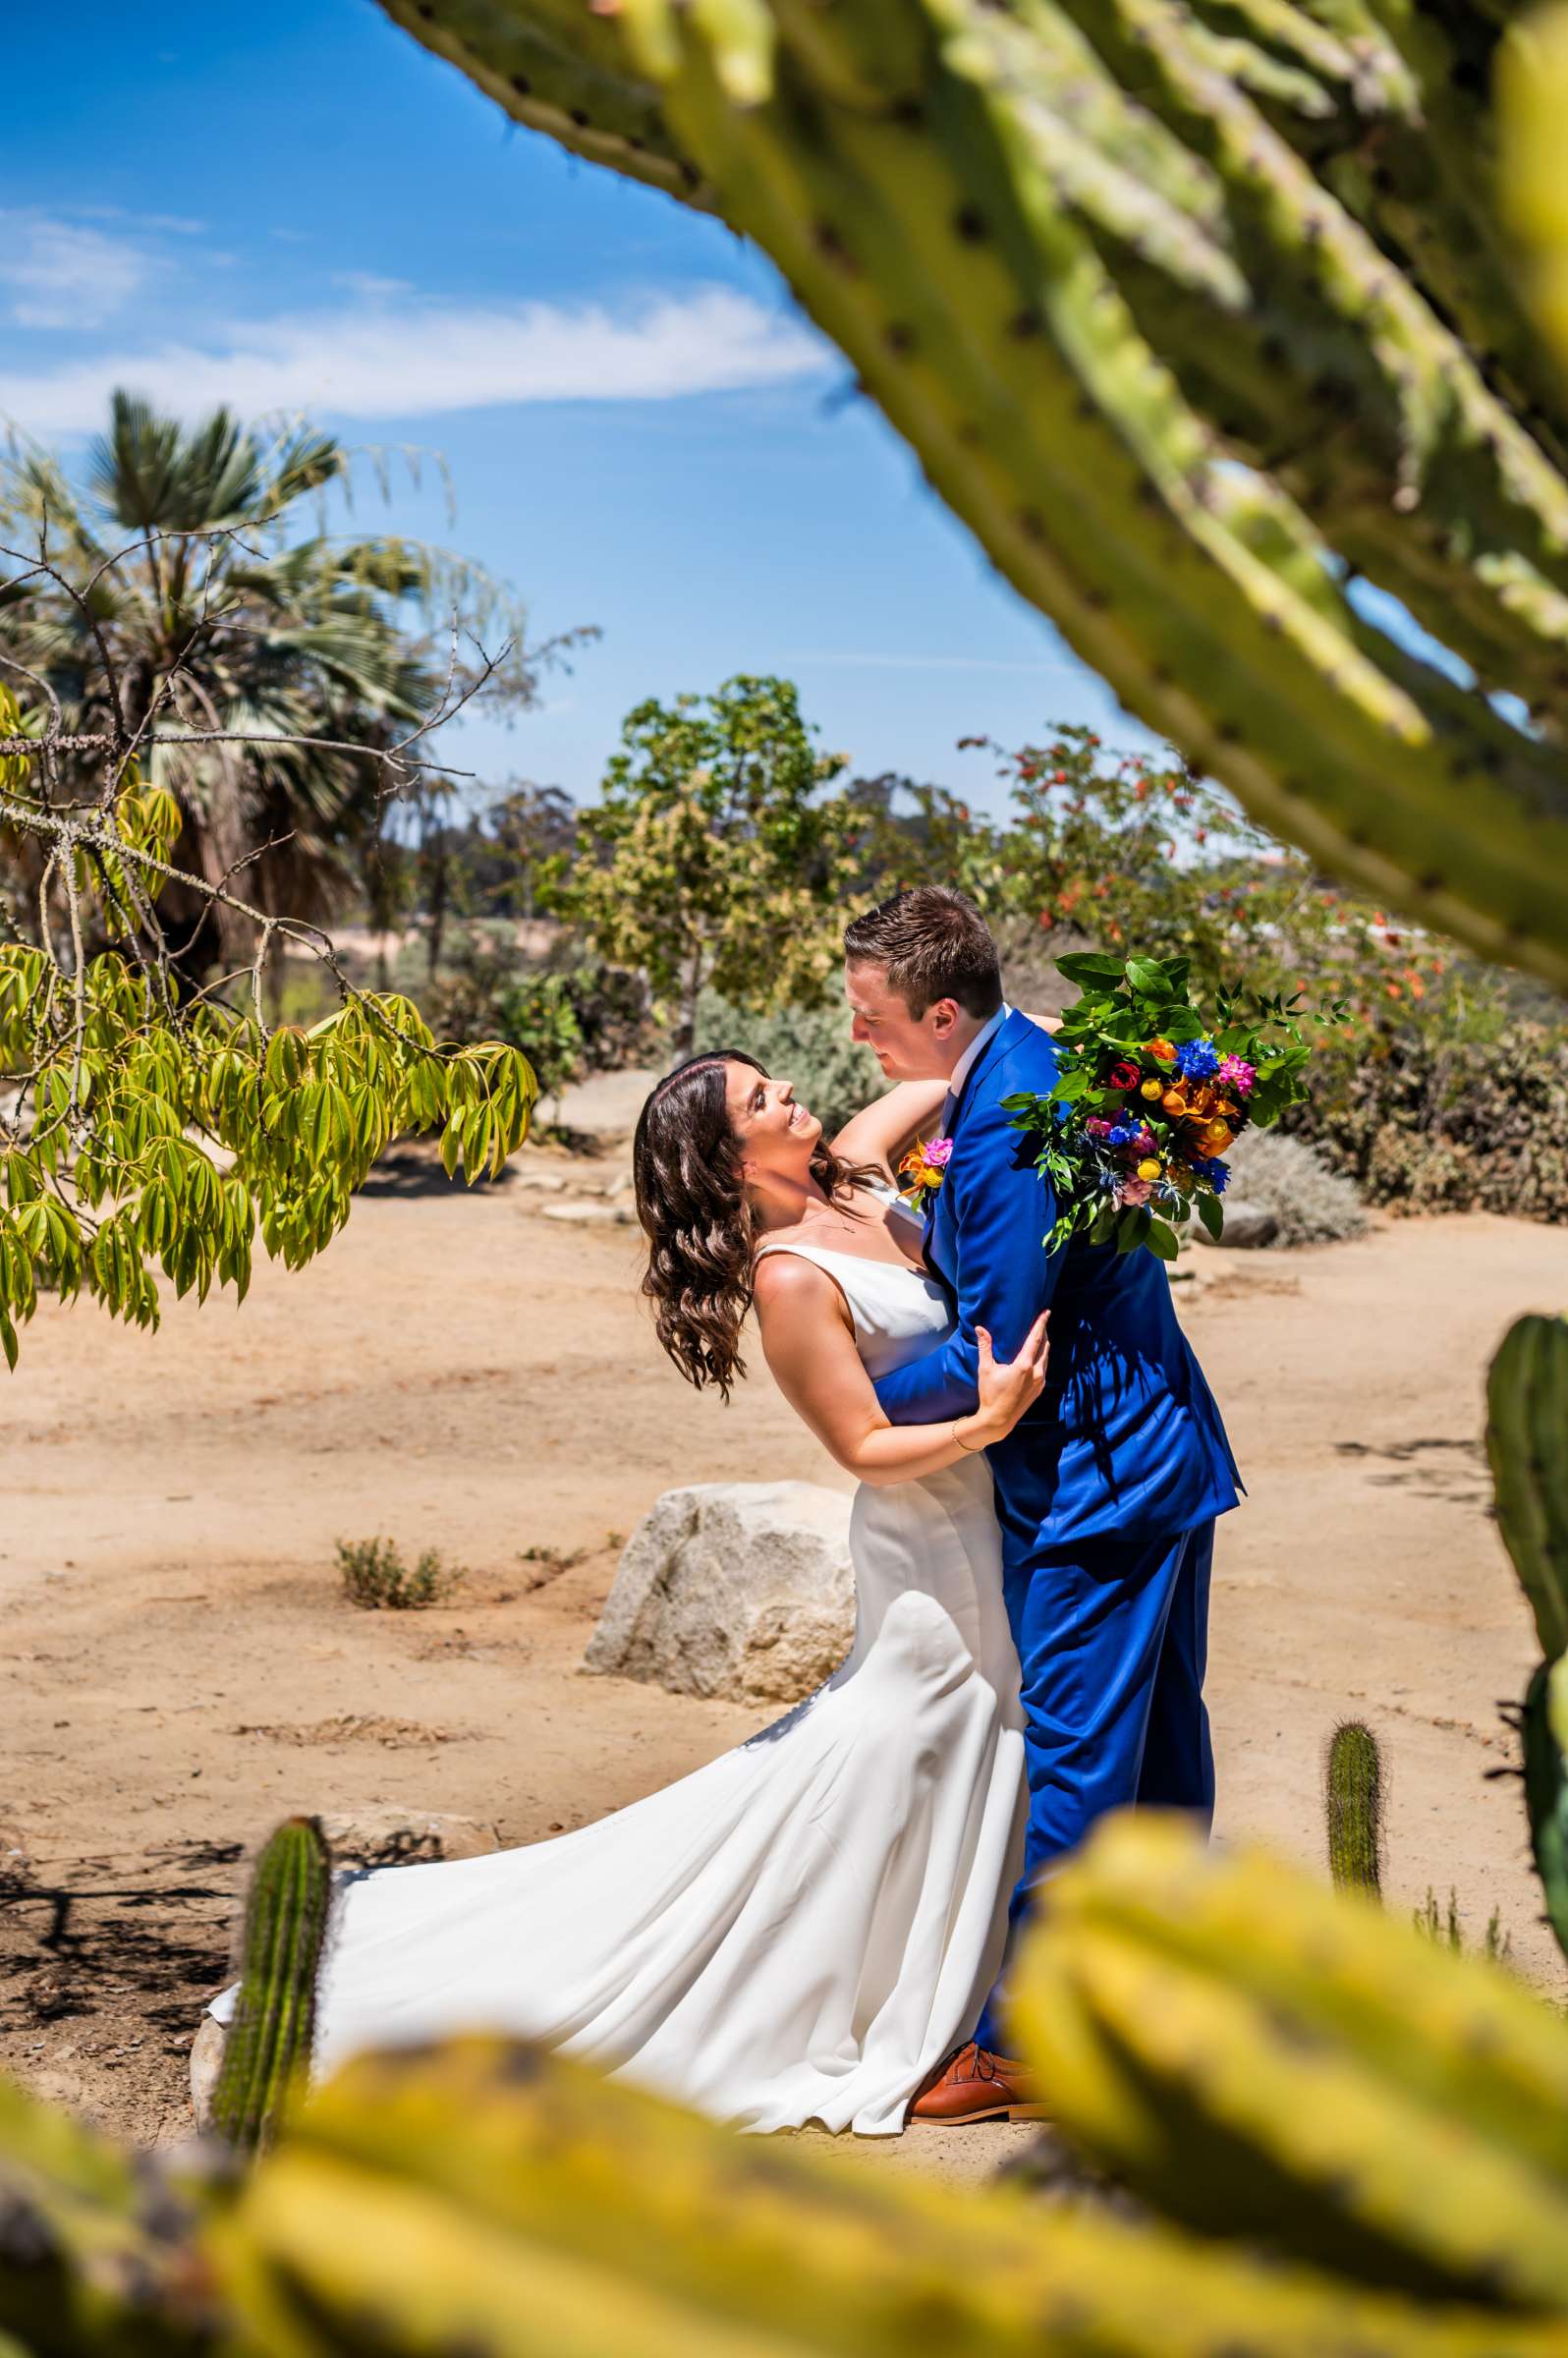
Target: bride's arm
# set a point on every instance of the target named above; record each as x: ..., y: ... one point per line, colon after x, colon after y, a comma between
x: 810, y: 1346
x: 880, y: 1132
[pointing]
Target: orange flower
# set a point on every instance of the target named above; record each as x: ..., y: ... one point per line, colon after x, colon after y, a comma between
x: 1174, y: 1102
x: 1163, y: 1049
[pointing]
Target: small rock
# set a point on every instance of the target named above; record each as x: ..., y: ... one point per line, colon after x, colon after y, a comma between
x: 396, y: 1838
x: 206, y: 2061
x: 613, y: 1215
x: 740, y: 1589
x: 1247, y: 1226
x: 14, y: 1855
x: 545, y: 1183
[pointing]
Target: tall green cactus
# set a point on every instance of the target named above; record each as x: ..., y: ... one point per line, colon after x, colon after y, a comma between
x: 1201, y: 318
x: 268, y: 2046
x: 1526, y: 1442
x: 1353, y: 1799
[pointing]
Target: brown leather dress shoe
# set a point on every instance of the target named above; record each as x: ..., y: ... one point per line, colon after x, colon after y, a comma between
x: 976, y: 2085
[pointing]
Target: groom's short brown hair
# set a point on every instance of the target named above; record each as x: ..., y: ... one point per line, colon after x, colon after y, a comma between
x: 934, y: 945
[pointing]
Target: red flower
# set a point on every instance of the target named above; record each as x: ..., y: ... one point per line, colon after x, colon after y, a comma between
x: 1124, y: 1074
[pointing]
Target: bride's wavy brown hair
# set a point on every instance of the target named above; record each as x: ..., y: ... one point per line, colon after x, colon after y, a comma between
x: 690, y: 1199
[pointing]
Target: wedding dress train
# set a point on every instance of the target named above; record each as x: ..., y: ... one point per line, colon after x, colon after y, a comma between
x: 799, y: 1931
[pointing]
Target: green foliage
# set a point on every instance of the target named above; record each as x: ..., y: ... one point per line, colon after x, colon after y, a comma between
x: 1353, y: 1799
x: 711, y: 861
x: 833, y: 1076
x: 266, y: 2052
x: 1425, y: 1118
x: 375, y: 1575
x: 148, y: 1137
x: 1202, y: 319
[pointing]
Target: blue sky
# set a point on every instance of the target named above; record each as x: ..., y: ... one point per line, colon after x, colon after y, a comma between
x: 298, y: 208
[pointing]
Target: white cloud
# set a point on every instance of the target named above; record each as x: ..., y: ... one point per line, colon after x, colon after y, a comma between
x: 418, y: 360
x: 57, y: 273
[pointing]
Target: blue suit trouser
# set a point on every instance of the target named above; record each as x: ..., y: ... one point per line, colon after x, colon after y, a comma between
x: 1112, y: 1642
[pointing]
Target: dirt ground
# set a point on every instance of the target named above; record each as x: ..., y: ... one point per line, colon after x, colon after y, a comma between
x: 179, y: 1667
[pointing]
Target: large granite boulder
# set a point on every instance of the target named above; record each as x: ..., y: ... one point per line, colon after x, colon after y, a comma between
x: 740, y: 1589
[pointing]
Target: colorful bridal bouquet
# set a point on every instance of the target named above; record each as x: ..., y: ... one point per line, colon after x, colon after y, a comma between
x: 1152, y: 1096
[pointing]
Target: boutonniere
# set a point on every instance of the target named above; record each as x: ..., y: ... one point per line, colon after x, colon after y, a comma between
x: 924, y: 1170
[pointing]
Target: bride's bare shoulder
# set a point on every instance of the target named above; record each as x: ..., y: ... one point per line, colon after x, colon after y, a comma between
x: 793, y: 1294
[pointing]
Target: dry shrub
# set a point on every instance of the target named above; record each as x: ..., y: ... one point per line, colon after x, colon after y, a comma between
x: 1313, y: 1203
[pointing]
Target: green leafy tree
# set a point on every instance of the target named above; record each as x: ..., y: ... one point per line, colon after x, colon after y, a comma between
x: 712, y: 860
x: 179, y: 597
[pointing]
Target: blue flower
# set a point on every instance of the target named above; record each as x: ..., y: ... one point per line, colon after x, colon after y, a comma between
x: 1123, y: 1133
x: 1198, y: 1059
x: 1217, y: 1173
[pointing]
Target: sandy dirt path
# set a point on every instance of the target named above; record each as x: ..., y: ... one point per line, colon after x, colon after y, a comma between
x: 177, y: 1667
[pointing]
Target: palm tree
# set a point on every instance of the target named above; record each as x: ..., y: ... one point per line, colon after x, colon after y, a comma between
x: 183, y: 587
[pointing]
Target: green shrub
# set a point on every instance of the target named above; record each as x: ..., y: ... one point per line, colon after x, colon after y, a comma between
x: 833, y: 1076
x: 1428, y: 1123
x: 376, y: 1576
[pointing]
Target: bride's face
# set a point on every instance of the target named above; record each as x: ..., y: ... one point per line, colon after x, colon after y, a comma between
x: 775, y: 1134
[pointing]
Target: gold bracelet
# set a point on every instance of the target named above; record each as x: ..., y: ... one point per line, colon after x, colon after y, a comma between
x: 960, y: 1444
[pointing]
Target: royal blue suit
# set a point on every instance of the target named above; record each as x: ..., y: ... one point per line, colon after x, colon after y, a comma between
x: 1107, y: 1489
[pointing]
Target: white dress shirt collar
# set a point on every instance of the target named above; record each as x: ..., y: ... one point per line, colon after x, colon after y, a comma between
x: 970, y: 1056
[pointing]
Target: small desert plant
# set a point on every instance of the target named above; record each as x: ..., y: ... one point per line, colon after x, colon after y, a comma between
x: 1446, y: 1927
x: 1352, y: 1798
x: 376, y: 1576
x: 1313, y: 1204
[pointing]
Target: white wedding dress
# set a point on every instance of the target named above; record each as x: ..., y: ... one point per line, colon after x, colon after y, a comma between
x: 799, y: 1931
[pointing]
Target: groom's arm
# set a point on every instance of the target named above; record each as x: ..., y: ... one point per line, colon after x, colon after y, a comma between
x: 1005, y: 1277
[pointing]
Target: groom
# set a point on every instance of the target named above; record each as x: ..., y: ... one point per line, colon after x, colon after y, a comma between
x: 1107, y: 1490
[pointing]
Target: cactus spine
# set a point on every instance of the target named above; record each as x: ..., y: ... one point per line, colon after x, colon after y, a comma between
x: 268, y: 2047
x: 1125, y: 280
x: 1353, y: 1795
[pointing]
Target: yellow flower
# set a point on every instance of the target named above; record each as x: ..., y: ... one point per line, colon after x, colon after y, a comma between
x: 1148, y: 1168
x: 1152, y: 1089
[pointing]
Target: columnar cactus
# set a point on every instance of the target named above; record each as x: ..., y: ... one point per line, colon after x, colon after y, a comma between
x: 1353, y: 1797
x: 1201, y: 318
x: 1261, y: 2060
x: 1545, y: 1729
x: 268, y: 2046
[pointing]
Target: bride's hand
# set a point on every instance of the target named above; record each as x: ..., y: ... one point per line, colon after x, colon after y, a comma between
x: 1007, y: 1387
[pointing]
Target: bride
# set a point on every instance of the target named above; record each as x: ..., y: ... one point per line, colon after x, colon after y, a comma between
x: 805, y: 1929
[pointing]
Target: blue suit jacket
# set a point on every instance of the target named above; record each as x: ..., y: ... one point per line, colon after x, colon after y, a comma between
x: 1125, y: 1441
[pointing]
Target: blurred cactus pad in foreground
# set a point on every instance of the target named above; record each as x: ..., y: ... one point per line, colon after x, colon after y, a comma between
x: 1211, y: 322
x: 1363, y: 2138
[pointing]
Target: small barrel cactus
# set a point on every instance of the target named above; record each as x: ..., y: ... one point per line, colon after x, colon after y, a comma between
x: 1352, y: 1798
x: 269, y: 2041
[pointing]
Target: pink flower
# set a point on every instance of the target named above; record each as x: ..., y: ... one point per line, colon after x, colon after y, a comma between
x: 937, y: 1151
x: 1238, y: 1073
x: 1098, y: 1126
x: 1134, y: 1191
